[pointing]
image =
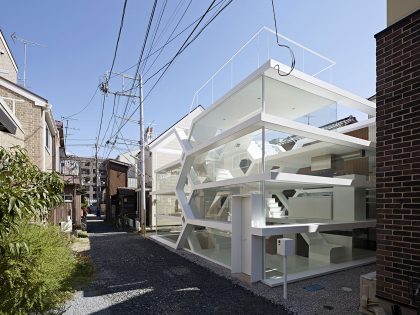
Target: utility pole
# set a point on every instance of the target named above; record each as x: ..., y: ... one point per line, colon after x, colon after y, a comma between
x: 142, y: 168
x: 98, y: 180
x: 142, y: 177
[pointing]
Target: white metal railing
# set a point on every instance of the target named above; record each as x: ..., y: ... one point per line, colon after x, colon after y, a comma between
x: 264, y: 52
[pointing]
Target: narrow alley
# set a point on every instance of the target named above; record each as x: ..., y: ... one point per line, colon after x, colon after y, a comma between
x: 138, y: 276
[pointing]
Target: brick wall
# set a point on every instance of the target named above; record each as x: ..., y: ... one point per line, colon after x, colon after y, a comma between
x: 30, y: 117
x: 398, y: 158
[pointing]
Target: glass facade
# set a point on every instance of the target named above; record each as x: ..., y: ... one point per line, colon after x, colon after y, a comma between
x: 216, y: 203
x: 212, y: 243
x: 302, y: 177
x: 317, y: 250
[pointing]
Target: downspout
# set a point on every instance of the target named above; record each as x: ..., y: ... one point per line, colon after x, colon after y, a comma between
x: 43, y: 138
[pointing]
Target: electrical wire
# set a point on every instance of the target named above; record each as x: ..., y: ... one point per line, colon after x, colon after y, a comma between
x: 167, y: 41
x: 172, y: 39
x: 141, y: 54
x: 151, y: 46
x: 86, y: 106
x: 184, y: 46
x: 292, y: 55
x: 171, y: 61
x: 118, y: 39
x: 139, y: 61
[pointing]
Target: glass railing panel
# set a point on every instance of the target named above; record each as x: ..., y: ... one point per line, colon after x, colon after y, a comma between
x: 237, y: 108
x: 240, y: 157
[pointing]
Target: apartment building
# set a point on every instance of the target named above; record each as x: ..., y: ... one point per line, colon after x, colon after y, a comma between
x: 88, y: 177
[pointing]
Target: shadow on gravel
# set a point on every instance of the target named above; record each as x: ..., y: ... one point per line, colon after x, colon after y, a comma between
x: 138, y: 276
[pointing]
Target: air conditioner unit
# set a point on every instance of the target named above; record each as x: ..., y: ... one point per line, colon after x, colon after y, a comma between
x: 68, y: 198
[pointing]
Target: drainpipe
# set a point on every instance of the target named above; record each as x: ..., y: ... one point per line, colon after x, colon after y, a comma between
x: 43, y: 138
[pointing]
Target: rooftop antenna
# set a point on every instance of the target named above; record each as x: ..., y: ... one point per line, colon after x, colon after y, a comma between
x: 25, y: 43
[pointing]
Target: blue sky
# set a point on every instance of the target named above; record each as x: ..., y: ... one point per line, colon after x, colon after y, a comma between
x: 80, y: 37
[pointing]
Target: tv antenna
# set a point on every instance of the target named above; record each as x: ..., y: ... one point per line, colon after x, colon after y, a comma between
x: 25, y: 44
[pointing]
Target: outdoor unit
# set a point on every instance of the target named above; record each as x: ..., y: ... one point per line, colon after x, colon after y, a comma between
x: 68, y: 198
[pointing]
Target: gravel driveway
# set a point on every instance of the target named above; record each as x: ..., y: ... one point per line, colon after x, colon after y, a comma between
x: 138, y: 276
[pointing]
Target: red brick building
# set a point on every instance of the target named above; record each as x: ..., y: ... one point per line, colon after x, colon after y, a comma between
x: 398, y: 159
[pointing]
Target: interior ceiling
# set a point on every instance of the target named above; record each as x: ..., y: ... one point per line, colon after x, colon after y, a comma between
x: 289, y: 102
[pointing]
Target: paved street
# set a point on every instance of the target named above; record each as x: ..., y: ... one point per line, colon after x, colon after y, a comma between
x: 138, y: 276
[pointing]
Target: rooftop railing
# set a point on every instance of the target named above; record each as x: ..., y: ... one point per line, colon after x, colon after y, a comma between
x: 261, y: 47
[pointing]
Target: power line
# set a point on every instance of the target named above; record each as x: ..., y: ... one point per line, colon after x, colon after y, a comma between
x: 172, y: 39
x: 155, y: 32
x: 169, y: 38
x: 292, y: 55
x: 86, y: 106
x: 141, y: 53
x: 167, y: 65
x: 181, y: 50
x: 118, y: 39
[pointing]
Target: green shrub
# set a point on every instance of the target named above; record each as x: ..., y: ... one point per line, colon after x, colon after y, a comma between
x: 37, y: 278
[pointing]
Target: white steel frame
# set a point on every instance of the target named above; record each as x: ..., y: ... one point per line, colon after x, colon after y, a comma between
x: 260, y: 121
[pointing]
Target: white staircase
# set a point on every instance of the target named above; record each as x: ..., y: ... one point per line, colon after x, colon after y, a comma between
x: 222, y: 174
x: 274, y: 210
x: 322, y: 250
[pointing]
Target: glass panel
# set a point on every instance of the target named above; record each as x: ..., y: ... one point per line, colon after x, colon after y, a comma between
x: 299, y: 155
x: 316, y: 250
x: 168, y: 217
x: 215, y: 203
x: 167, y: 179
x: 240, y: 157
x: 212, y: 243
x: 237, y: 108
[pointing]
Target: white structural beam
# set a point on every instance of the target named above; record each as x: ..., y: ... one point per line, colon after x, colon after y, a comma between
x: 297, y: 128
x: 280, y: 177
x: 163, y: 192
x: 310, y: 227
x: 219, y: 225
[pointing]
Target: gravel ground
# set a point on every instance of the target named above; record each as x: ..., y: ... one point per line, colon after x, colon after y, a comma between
x: 340, y: 293
x: 138, y: 276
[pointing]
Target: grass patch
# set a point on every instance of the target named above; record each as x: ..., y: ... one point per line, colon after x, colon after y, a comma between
x: 83, y: 274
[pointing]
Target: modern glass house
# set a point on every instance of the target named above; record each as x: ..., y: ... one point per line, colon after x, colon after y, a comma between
x: 274, y: 157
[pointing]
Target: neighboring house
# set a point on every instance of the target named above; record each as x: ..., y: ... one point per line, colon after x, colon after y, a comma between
x: 131, y: 157
x: 272, y: 158
x: 28, y: 115
x: 116, y: 178
x: 69, y: 212
x: 8, y: 65
x: 398, y: 159
x: 11, y: 129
